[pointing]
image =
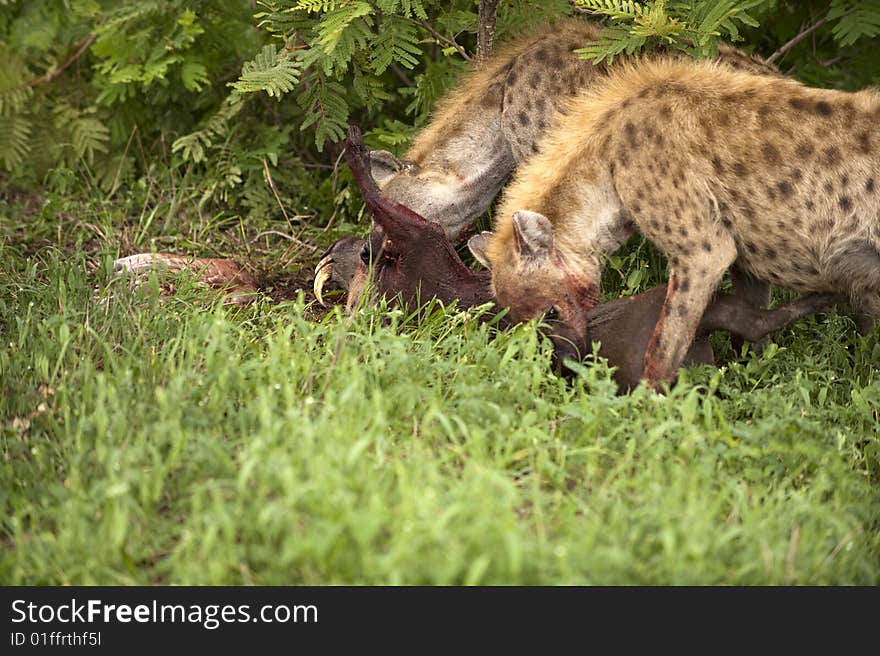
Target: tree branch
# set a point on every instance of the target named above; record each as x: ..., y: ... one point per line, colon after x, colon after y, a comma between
x: 79, y: 52
x: 804, y: 33
x: 425, y: 25
x: 401, y: 75
x: 486, y: 28
x: 292, y: 238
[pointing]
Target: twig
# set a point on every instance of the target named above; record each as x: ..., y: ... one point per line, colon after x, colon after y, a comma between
x: 275, y: 192
x: 833, y: 61
x: 308, y: 247
x: 445, y: 39
x: 79, y: 52
x: 277, y: 233
x: 804, y: 33
x: 122, y: 161
x: 581, y: 10
x: 486, y: 28
x: 401, y: 75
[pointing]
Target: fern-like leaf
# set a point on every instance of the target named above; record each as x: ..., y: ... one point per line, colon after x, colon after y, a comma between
x: 342, y: 33
x: 618, y: 9
x: 192, y: 146
x: 407, y: 8
x: 270, y: 72
x: 15, y: 132
x: 856, y: 19
x: 90, y: 136
x: 314, y: 6
x: 397, y: 41
x: 14, y: 88
x: 325, y: 107
x: 687, y: 25
x: 611, y: 42
x: 194, y: 76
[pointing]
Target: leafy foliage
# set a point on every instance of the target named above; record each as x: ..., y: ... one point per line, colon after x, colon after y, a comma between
x: 695, y: 26
x: 112, y: 90
x: 87, y: 74
x: 856, y: 19
x: 275, y: 74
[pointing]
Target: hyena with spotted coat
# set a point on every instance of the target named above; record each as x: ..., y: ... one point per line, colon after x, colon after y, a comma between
x: 713, y: 166
x: 491, y: 123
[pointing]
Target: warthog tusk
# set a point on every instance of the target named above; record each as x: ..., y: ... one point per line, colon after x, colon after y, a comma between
x: 322, y: 274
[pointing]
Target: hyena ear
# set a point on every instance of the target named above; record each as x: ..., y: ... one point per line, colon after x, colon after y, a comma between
x: 478, y: 245
x: 533, y: 233
x: 384, y: 166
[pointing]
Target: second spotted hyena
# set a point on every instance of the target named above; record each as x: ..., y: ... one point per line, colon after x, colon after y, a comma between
x: 713, y: 166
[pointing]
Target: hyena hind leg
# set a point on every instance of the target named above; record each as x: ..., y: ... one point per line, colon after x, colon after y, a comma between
x: 692, y: 283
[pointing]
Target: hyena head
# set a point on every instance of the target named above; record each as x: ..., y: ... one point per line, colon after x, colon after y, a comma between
x: 534, y: 278
x: 428, y: 191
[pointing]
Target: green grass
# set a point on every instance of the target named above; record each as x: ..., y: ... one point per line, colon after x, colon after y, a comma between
x: 150, y: 439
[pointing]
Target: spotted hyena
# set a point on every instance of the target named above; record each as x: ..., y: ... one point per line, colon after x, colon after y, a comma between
x: 491, y: 123
x: 713, y: 166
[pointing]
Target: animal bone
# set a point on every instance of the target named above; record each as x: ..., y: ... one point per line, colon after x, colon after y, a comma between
x: 218, y: 273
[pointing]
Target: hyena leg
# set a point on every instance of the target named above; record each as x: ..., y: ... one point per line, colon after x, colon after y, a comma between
x: 692, y: 284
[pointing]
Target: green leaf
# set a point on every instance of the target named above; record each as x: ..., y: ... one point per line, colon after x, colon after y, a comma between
x: 194, y: 76
x: 274, y: 73
x: 397, y: 41
x: 856, y: 19
x: 15, y: 132
x: 326, y: 108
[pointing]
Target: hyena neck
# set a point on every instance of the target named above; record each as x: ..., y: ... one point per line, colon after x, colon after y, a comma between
x: 589, y: 231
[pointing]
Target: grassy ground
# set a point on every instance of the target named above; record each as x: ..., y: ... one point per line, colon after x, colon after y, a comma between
x: 150, y: 439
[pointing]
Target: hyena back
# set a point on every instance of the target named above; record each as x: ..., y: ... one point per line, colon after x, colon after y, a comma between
x: 713, y: 166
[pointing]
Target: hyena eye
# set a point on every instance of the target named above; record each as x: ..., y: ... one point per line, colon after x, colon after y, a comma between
x: 365, y: 253
x: 552, y: 314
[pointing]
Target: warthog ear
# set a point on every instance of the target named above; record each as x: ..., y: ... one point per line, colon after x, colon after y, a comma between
x: 384, y: 166
x: 478, y: 244
x: 533, y: 233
